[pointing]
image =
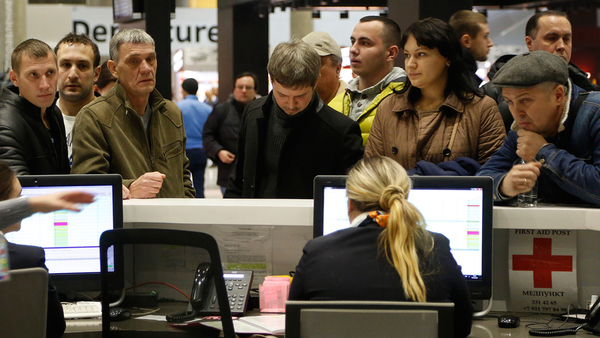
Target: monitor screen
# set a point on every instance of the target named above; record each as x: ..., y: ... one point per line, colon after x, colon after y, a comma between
x: 460, y: 208
x: 71, y: 239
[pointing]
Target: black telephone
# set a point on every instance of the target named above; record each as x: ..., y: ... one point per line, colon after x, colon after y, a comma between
x: 592, y: 324
x: 592, y: 319
x: 203, y: 299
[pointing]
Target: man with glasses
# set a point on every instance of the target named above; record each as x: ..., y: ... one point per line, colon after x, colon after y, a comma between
x: 221, y: 129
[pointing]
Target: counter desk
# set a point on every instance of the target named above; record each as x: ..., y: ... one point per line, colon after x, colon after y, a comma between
x: 288, y: 224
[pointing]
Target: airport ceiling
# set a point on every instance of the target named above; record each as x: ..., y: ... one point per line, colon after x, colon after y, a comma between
x: 551, y: 4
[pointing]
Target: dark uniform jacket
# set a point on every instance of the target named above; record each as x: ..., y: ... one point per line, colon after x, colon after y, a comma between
x: 348, y: 265
x: 26, y: 256
x: 321, y: 142
x: 26, y: 145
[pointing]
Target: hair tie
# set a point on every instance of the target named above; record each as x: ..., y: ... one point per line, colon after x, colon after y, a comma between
x: 379, y: 217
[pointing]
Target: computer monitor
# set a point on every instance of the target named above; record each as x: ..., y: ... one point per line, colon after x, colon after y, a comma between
x: 460, y: 208
x: 70, y: 239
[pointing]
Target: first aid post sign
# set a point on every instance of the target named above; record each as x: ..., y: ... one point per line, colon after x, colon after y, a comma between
x: 542, y: 270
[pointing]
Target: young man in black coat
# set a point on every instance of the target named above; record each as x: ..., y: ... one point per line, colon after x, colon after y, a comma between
x: 32, y: 133
x: 290, y: 136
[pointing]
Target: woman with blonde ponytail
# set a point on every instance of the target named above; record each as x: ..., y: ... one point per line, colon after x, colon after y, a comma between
x: 386, y: 254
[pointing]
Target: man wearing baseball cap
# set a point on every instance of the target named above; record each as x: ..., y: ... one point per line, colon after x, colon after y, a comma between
x: 556, y: 131
x: 329, y: 87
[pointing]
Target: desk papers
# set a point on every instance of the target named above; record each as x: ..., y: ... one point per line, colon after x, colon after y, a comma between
x: 270, y: 324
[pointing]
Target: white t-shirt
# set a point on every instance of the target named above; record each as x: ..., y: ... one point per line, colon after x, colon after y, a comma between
x: 69, y: 122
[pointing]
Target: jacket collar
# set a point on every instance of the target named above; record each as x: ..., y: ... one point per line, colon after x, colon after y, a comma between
x: 155, y: 100
x: 395, y: 76
x: 11, y: 95
x: 469, y: 60
x: 404, y: 104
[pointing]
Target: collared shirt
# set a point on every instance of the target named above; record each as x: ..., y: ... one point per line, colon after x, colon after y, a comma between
x: 359, y: 219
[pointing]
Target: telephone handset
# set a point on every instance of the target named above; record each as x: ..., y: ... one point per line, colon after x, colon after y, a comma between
x: 202, y: 282
x: 203, y: 299
x: 592, y: 319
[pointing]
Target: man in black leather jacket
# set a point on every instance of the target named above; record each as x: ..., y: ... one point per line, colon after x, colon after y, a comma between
x: 549, y: 31
x: 32, y: 133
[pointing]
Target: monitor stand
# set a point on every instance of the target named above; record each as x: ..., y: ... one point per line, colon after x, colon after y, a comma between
x: 484, y: 311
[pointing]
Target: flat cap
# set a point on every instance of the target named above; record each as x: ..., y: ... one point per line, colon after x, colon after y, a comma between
x: 323, y: 44
x: 530, y: 69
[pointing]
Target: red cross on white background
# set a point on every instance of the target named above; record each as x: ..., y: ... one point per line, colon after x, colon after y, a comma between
x: 542, y: 263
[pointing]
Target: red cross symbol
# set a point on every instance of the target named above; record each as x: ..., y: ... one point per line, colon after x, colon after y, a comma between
x: 542, y: 263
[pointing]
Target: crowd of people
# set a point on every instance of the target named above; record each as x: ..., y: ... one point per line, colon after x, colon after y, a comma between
x: 67, y: 113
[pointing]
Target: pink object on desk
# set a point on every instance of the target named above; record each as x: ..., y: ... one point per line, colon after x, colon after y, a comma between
x: 273, y: 293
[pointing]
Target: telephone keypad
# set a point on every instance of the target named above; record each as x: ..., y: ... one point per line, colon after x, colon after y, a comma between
x: 237, y: 284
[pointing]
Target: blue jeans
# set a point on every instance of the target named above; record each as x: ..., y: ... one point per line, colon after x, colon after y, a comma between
x: 197, y: 167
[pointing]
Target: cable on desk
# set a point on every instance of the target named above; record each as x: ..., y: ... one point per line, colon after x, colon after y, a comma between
x: 84, y: 296
x: 555, y: 332
x: 146, y: 311
x: 548, y: 322
x: 163, y: 283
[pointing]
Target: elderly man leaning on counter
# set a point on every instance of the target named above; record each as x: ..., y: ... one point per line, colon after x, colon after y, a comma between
x: 132, y: 130
x: 556, y: 131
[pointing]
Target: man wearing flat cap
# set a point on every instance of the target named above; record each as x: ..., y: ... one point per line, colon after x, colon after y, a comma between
x: 556, y: 131
x: 330, y: 87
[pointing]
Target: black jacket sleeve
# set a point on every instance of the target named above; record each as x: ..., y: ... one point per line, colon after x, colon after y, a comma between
x: 459, y: 290
x: 210, y: 134
x: 11, y: 151
x: 352, y: 148
x: 235, y: 184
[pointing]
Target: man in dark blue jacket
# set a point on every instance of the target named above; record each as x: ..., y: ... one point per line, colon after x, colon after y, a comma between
x: 290, y: 136
x: 556, y: 131
x: 194, y: 115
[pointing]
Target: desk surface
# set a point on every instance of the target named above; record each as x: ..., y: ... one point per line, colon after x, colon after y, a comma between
x: 133, y: 328
x: 482, y: 328
x: 488, y: 326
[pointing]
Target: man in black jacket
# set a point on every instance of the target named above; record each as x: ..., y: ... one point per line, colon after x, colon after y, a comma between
x: 549, y: 31
x: 474, y: 34
x: 32, y: 133
x: 220, y: 134
x: 290, y: 136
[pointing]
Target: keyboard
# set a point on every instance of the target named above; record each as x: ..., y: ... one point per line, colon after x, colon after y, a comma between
x: 82, y: 310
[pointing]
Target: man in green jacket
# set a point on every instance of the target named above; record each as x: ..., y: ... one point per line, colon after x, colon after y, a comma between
x: 374, y: 47
x: 132, y: 130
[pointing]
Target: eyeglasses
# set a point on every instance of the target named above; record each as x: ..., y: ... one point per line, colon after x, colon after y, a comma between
x: 244, y: 87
